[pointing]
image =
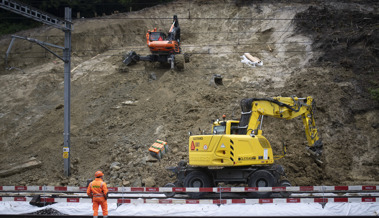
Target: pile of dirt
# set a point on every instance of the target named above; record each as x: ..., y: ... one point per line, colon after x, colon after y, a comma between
x: 117, y: 112
x: 48, y: 211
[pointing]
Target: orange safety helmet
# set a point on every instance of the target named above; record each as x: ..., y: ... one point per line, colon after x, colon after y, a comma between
x: 99, y: 174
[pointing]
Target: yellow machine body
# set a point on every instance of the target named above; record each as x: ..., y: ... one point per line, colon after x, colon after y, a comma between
x: 229, y: 150
x: 241, y: 143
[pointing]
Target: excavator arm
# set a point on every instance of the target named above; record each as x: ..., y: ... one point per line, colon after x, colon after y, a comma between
x: 254, y: 109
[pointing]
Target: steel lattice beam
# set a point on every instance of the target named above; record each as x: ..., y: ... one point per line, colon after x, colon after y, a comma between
x: 33, y: 13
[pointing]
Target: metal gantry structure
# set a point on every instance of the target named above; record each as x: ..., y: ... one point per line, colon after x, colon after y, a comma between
x: 66, y: 26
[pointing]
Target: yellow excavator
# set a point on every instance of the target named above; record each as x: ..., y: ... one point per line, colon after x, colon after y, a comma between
x: 237, y: 152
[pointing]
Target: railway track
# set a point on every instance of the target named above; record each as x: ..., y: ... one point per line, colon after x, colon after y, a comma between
x: 20, y: 195
x: 41, y: 196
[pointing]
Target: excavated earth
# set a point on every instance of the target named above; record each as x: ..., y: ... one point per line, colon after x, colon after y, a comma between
x: 324, y: 49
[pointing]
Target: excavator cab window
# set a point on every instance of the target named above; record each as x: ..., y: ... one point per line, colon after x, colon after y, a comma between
x: 157, y: 36
x: 218, y: 130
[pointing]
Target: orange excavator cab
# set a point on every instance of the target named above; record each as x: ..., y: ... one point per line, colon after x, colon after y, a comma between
x: 156, y: 36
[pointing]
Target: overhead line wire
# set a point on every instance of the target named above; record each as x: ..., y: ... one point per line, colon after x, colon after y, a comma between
x: 190, y: 53
x: 143, y: 34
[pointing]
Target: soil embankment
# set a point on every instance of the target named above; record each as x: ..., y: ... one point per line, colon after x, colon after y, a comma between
x: 328, y: 51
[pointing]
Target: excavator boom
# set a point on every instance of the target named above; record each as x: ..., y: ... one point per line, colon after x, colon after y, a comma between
x: 254, y: 109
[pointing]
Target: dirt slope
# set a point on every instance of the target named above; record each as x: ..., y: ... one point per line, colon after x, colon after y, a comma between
x: 117, y: 112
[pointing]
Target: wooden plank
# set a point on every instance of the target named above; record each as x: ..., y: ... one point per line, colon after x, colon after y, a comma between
x: 31, y: 163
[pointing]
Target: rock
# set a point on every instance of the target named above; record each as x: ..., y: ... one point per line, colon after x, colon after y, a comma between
x: 143, y: 161
x: 114, y: 175
x: 158, y: 130
x: 122, y: 175
x: 137, y: 183
x: 153, y: 76
x: 118, y: 182
x: 175, y: 150
x: 60, y: 106
x: 151, y: 159
x: 72, y: 181
x: 115, y: 166
x: 125, y: 183
x: 149, y: 182
x: 42, y: 181
x: 129, y: 165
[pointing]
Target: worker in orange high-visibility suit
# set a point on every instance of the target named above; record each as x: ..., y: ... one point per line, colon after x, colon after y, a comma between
x: 98, y: 191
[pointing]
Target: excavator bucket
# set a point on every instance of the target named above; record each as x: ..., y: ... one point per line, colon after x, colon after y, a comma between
x: 131, y: 58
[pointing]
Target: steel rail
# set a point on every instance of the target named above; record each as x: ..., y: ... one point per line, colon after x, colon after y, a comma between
x: 181, y: 195
x: 209, y: 196
x: 44, y: 201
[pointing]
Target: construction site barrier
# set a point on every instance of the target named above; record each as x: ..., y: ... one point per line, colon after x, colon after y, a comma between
x: 50, y: 200
x: 318, y: 189
x: 364, y: 194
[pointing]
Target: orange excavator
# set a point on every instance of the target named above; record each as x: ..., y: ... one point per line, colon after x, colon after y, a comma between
x: 164, y: 48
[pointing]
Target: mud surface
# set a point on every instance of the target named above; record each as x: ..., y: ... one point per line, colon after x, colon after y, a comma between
x: 327, y: 50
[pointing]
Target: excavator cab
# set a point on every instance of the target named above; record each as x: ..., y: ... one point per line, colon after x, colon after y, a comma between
x: 157, y: 36
x: 225, y: 127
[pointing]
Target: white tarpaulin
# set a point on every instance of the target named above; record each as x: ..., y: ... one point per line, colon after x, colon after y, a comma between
x: 285, y: 209
x: 251, y: 63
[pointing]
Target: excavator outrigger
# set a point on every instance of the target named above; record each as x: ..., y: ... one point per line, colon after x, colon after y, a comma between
x: 164, y: 49
x: 236, y: 152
